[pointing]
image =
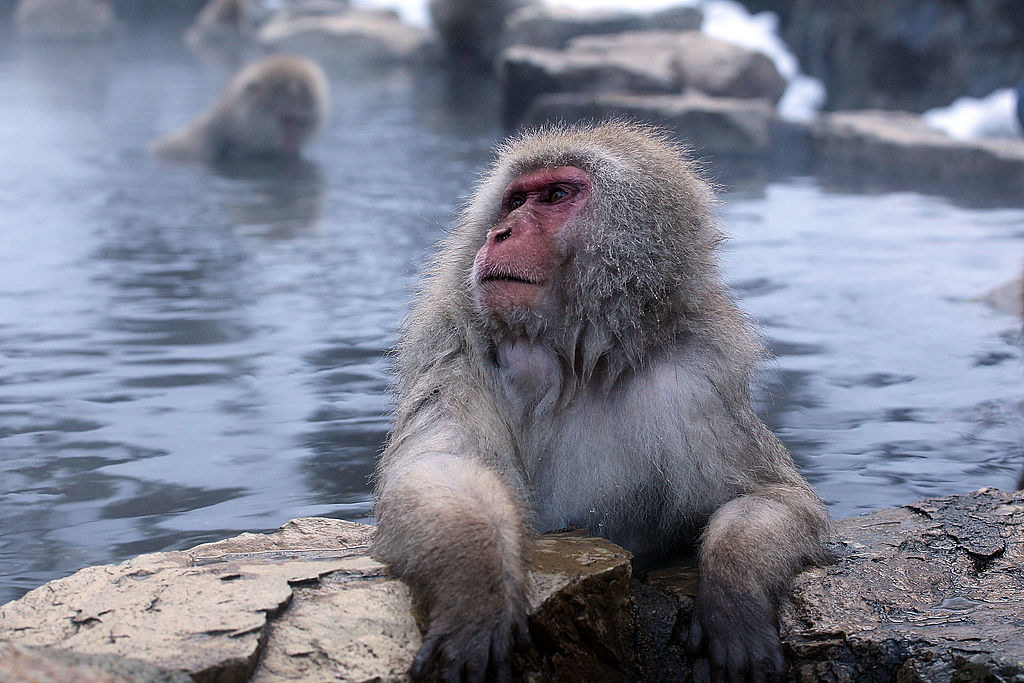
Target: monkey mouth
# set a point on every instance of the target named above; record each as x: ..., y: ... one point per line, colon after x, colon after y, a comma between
x: 294, y: 129
x: 506, y: 277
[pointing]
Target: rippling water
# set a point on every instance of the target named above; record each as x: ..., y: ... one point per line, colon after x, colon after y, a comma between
x: 188, y: 352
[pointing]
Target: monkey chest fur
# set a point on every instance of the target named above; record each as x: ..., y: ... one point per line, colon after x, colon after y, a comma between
x: 638, y: 464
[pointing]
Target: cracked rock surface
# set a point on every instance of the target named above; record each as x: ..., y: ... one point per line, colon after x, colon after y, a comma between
x: 932, y: 591
x: 305, y: 603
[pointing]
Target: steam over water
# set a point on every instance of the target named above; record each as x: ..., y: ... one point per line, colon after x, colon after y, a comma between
x: 187, y: 353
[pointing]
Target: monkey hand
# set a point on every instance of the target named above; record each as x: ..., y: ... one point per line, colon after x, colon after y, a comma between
x: 738, y: 634
x: 473, y: 644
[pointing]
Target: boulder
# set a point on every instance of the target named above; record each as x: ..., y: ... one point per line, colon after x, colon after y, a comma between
x: 714, y: 126
x: 553, y: 26
x: 19, y: 663
x: 470, y: 30
x: 351, y: 39
x: 637, y: 62
x: 306, y: 603
x: 900, y: 149
x: 905, y: 54
x: 931, y: 591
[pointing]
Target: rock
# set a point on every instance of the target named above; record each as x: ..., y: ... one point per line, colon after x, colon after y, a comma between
x: 907, y: 54
x: 1020, y: 105
x: 932, y: 591
x: 553, y: 26
x: 308, y: 603
x: 221, y: 22
x: 710, y: 125
x: 19, y: 663
x: 352, y: 39
x: 296, y: 8
x: 65, y: 20
x: 636, y: 62
x: 899, y: 149
x: 471, y: 29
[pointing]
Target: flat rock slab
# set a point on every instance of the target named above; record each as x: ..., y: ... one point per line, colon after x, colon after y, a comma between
x: 351, y: 39
x: 636, y: 62
x: 885, y: 147
x: 710, y: 125
x: 553, y: 26
x: 932, y: 591
x: 305, y: 603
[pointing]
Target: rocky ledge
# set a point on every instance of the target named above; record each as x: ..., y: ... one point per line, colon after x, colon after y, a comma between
x: 898, y: 149
x: 636, y: 62
x: 932, y: 591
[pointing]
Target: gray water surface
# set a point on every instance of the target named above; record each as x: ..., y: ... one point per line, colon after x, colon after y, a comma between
x: 187, y: 352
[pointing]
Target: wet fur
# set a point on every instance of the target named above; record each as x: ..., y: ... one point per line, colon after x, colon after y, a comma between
x: 244, y: 122
x: 629, y: 415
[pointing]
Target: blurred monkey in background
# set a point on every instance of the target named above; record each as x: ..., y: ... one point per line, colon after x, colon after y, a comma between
x: 270, y: 109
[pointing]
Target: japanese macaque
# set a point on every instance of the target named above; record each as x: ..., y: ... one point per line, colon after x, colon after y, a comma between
x: 574, y: 359
x: 271, y: 109
x: 68, y: 20
x: 221, y: 23
x: 471, y: 29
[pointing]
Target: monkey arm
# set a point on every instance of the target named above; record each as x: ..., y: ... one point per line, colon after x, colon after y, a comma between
x: 751, y: 548
x: 451, y: 526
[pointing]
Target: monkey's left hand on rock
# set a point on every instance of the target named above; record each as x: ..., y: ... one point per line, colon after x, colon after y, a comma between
x: 738, y: 634
x: 472, y: 647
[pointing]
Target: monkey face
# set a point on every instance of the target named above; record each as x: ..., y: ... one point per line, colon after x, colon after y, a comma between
x: 281, y: 115
x: 519, y: 267
x: 279, y: 108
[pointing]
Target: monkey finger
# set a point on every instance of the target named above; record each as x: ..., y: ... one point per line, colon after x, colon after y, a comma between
x: 695, y: 641
x: 718, y: 655
x: 521, y: 638
x: 453, y: 668
x: 774, y: 664
x: 737, y: 662
x: 476, y: 667
x: 427, y: 655
x: 501, y: 663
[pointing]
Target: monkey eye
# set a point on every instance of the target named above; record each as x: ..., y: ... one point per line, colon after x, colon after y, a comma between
x: 515, y: 201
x: 555, y: 195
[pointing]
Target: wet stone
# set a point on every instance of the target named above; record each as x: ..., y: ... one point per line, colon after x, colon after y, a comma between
x: 931, y: 591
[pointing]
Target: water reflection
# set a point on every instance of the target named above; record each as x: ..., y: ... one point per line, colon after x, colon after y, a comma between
x: 69, y: 75
x: 274, y: 198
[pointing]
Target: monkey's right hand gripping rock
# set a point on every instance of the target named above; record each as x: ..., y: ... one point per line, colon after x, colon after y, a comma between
x: 738, y: 633
x: 468, y: 643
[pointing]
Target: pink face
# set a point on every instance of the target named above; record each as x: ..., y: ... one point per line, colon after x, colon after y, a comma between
x: 521, y: 259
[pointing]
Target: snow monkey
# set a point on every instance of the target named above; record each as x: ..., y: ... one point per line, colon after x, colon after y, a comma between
x: 574, y: 358
x: 271, y: 108
x: 221, y: 22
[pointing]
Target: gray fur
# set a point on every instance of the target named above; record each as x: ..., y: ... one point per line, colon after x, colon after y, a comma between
x: 246, y: 120
x: 629, y: 415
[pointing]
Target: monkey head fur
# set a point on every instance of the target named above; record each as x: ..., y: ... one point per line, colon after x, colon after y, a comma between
x: 639, y: 275
x: 271, y: 108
